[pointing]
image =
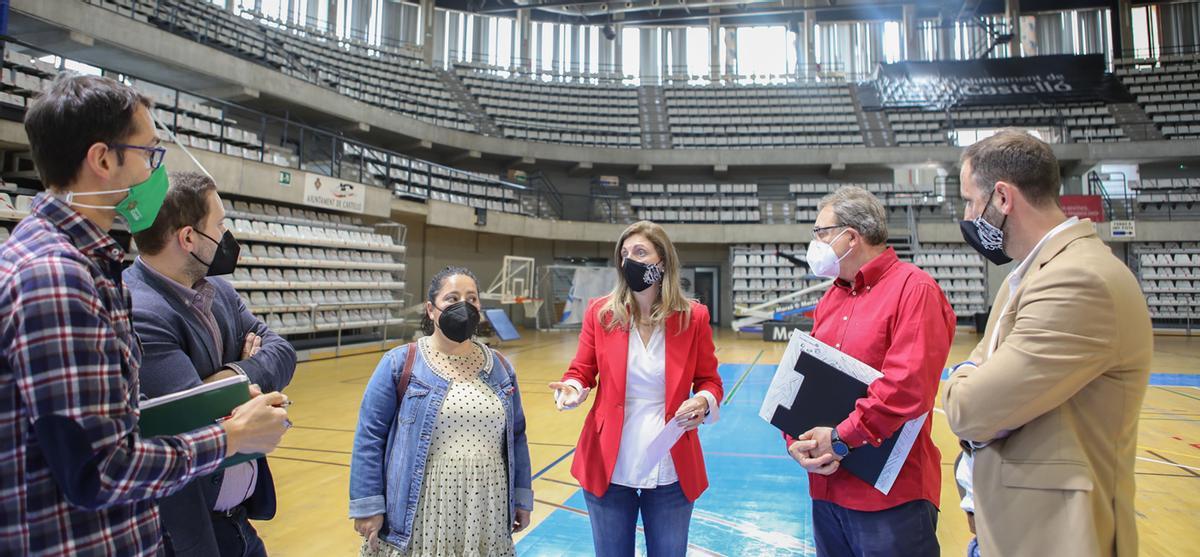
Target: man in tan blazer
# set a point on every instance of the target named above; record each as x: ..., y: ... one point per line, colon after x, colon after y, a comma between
x: 1049, y: 401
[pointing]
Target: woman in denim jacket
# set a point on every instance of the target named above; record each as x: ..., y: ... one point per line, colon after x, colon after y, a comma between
x: 445, y: 470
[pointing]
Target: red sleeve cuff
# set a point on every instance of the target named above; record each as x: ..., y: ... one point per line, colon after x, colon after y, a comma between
x: 852, y: 435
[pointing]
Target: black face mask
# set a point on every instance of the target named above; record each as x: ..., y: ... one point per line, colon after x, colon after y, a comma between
x: 985, y: 237
x: 225, y: 259
x: 640, y: 276
x: 459, y: 321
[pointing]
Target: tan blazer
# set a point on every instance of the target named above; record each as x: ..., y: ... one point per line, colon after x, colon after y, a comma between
x: 1067, y: 378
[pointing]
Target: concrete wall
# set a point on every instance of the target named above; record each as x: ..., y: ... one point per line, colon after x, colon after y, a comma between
x: 255, y: 179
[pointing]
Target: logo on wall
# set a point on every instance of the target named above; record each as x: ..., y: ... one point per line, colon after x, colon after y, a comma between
x: 345, y: 196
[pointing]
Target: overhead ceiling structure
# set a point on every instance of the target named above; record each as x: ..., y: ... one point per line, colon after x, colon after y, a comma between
x: 736, y: 12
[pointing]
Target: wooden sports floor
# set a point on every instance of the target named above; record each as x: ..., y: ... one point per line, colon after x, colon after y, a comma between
x: 758, y: 503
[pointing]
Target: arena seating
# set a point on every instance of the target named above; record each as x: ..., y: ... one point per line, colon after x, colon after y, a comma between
x: 603, y: 114
x: 1082, y: 122
x: 758, y: 116
x: 1168, y: 90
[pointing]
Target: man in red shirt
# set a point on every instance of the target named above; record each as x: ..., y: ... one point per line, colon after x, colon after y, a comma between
x: 893, y: 317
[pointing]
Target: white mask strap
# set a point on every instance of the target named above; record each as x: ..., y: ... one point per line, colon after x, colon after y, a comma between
x: 182, y: 147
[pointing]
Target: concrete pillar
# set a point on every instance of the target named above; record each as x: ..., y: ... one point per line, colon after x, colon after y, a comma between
x: 618, y: 62
x: 1012, y: 8
x: 556, y: 62
x: 575, y: 50
x: 679, y: 50
x: 311, y: 17
x: 647, y: 53
x: 360, y: 19
x: 605, y: 57
x: 810, y: 43
x: 946, y: 35
x: 911, y: 40
x: 714, y: 48
x: 332, y: 17
x: 730, y: 51
x: 585, y: 63
x: 524, y: 32
x: 482, y: 39
x: 452, y: 39
x: 427, y: 34
x: 392, y: 14
x: 1121, y: 18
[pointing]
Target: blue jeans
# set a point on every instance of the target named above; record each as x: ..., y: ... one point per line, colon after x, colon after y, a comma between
x: 905, y: 530
x: 666, y: 514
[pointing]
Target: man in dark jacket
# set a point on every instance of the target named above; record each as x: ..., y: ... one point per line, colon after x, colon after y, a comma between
x: 195, y: 329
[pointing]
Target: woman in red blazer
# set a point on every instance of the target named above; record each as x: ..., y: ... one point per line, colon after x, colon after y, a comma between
x: 648, y: 351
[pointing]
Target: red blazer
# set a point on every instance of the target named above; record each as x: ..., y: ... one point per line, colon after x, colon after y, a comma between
x: 602, y: 357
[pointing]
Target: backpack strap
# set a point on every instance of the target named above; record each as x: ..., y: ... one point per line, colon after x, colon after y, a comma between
x: 406, y: 375
x: 504, y: 362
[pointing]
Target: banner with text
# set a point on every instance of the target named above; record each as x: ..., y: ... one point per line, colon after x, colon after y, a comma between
x: 1083, y: 206
x: 332, y: 193
x: 1029, y: 80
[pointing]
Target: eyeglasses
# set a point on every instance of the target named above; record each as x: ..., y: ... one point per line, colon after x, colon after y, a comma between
x: 818, y: 230
x: 156, y: 153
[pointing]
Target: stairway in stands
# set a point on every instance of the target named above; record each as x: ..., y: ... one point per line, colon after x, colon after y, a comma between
x: 876, y: 130
x: 1134, y: 122
x: 470, y: 105
x: 652, y: 109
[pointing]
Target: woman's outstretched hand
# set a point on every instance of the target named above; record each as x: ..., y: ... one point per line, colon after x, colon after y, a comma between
x: 566, y: 396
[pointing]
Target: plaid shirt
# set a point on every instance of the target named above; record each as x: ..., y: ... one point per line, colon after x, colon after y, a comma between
x: 75, y: 477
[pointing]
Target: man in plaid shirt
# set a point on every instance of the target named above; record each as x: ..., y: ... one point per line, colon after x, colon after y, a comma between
x: 76, y: 478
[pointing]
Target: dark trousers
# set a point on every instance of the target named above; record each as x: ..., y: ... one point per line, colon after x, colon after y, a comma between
x: 906, y: 530
x: 236, y: 537
x: 666, y: 514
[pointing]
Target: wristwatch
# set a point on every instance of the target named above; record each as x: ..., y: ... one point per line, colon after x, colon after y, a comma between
x: 840, y: 448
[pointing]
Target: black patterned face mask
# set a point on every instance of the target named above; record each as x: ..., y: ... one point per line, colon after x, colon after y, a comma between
x: 640, y: 276
x: 985, y: 237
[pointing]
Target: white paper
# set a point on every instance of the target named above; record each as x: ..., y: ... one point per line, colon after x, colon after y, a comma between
x: 660, y: 446
x: 206, y: 387
x: 787, y: 381
x: 891, y: 469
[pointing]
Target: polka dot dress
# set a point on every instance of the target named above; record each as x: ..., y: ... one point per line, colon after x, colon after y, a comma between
x: 463, y: 507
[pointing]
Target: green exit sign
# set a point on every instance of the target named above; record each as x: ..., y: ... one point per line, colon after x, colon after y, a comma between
x: 285, y: 178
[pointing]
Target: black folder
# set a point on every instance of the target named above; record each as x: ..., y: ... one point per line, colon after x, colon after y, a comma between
x: 825, y: 398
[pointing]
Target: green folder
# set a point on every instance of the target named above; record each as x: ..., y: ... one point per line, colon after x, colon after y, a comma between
x: 195, y: 408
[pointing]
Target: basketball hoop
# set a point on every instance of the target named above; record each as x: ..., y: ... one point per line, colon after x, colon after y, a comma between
x: 532, y: 305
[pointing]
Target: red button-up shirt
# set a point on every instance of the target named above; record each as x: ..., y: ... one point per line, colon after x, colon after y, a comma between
x: 895, y: 319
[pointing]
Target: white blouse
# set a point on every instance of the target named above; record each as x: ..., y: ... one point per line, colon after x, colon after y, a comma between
x: 645, y: 413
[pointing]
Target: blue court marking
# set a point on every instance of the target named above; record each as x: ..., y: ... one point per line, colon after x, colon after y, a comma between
x: 1156, y: 379
x: 553, y: 464
x: 757, y: 502
x: 1175, y: 379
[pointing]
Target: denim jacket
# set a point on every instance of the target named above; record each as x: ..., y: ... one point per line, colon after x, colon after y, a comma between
x: 391, y: 447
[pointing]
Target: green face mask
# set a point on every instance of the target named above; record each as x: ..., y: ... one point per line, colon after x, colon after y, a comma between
x: 141, y: 207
